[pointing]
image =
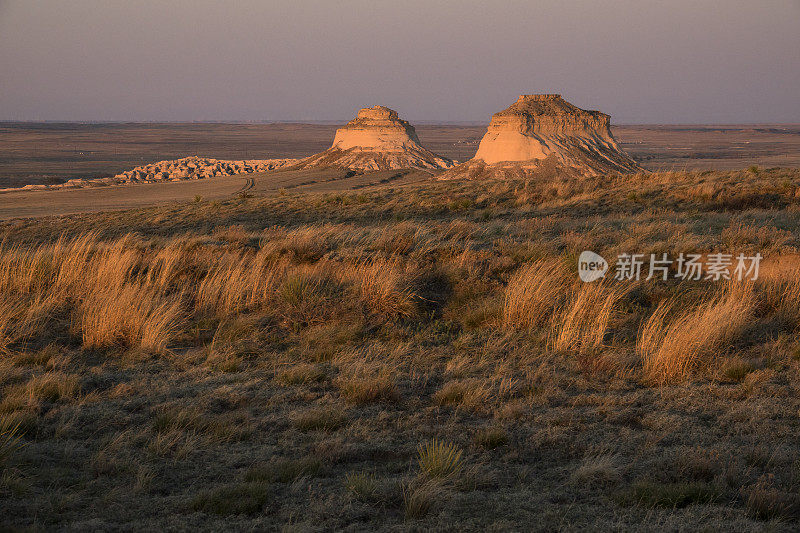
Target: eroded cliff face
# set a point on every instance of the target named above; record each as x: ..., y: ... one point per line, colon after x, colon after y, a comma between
x: 377, y: 128
x: 377, y: 139
x: 539, y: 127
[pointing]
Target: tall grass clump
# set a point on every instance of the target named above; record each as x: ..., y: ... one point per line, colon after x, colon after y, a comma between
x: 363, y: 485
x: 24, y: 319
x: 303, y: 296
x: 302, y: 245
x: 129, y: 315
x: 78, y: 277
x: 419, y: 497
x: 534, y: 292
x: 584, y: 322
x: 382, y: 289
x: 780, y: 288
x: 46, y: 268
x: 309, y: 294
x: 671, y: 350
x: 365, y: 377
x: 362, y: 388
x: 240, y: 282
x: 170, y: 265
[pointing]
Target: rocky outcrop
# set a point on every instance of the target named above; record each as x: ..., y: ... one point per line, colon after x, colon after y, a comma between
x: 544, y: 131
x: 192, y: 168
x: 188, y: 168
x: 377, y: 139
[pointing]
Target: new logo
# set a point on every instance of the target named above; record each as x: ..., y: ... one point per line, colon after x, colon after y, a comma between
x: 591, y: 266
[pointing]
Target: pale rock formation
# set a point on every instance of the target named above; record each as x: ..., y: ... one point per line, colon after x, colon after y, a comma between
x: 377, y: 139
x: 195, y: 167
x: 545, y: 132
x: 188, y: 168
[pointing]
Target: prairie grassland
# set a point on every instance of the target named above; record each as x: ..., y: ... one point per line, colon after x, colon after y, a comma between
x: 405, y: 358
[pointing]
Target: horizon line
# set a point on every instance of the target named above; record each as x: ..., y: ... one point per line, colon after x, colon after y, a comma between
x: 342, y: 122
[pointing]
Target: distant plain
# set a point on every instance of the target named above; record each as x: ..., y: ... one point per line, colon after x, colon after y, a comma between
x: 35, y: 153
x: 50, y: 153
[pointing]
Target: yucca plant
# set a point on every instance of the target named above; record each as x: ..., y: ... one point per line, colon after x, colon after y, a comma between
x: 438, y: 459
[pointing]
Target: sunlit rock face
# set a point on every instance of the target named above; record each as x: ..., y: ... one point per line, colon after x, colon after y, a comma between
x: 377, y: 128
x: 377, y: 139
x: 545, y: 127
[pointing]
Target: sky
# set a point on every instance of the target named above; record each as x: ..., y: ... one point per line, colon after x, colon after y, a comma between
x: 644, y: 61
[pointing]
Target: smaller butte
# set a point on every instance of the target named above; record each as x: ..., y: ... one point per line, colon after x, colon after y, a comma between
x: 544, y: 132
x: 377, y: 139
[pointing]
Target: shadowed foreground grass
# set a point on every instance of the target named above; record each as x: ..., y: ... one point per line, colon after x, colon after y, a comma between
x: 419, y: 357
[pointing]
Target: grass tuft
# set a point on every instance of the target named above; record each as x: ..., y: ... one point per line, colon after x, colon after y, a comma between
x: 368, y: 389
x: 534, y: 292
x: 382, y: 289
x: 301, y: 374
x: 322, y: 419
x: 363, y: 486
x: 583, y: 325
x: 420, y: 497
x: 129, y: 315
x: 738, y: 370
x: 672, y: 350
x: 439, y: 459
x: 467, y: 394
x: 491, y: 438
x: 10, y: 443
x: 597, y: 470
x: 766, y: 502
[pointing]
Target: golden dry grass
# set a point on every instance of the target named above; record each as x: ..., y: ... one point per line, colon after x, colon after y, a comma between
x: 22, y: 319
x: 779, y: 281
x: 382, y: 288
x: 365, y: 378
x: 307, y: 338
x: 671, y: 349
x: 240, y: 282
x: 585, y: 320
x: 534, y: 292
x: 124, y: 293
x: 128, y: 315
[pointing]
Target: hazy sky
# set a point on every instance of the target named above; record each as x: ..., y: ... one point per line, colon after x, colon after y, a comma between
x: 643, y: 61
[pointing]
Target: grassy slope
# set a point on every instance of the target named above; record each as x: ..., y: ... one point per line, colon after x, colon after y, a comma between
x: 280, y: 360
